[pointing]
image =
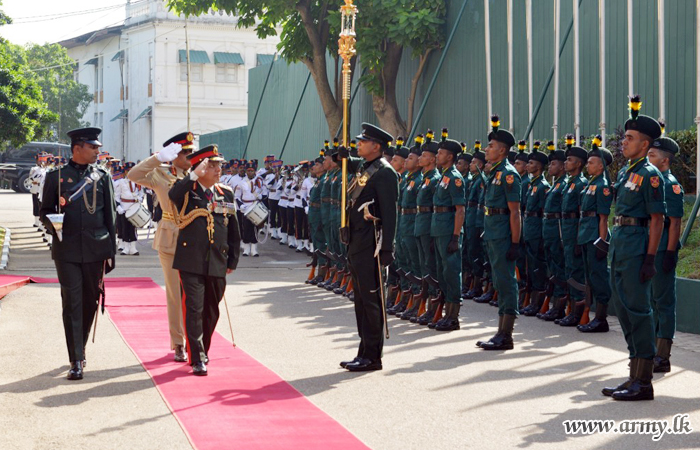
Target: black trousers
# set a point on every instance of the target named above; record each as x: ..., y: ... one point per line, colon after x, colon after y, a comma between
x: 128, y: 230
x: 274, y: 213
x: 80, y: 292
x: 368, y: 304
x: 302, y: 223
x: 291, y: 225
x: 35, y: 205
x: 249, y: 234
x: 282, y: 212
x: 201, y: 295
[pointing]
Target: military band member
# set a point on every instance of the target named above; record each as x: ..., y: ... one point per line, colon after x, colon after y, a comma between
x: 208, y: 248
x: 373, y: 196
x: 532, y: 229
x: 301, y: 205
x: 127, y: 193
x: 155, y: 174
x: 502, y: 233
x: 639, y: 222
x: 663, y: 285
x: 274, y: 187
x: 551, y: 234
x: 36, y: 173
x: 593, y: 226
x: 473, y: 241
x: 570, y: 206
x: 251, y: 192
x: 86, y: 241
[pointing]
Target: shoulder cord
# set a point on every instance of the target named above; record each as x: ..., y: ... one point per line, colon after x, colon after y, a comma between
x: 182, y: 220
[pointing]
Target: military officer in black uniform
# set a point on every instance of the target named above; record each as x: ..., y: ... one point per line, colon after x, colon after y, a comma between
x: 375, y: 192
x: 85, y: 239
x: 208, y: 248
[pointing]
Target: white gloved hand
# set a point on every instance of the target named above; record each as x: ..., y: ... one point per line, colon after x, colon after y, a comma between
x: 169, y: 153
x: 120, y: 210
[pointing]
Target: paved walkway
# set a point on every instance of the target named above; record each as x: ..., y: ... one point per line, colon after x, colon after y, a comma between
x: 436, y: 390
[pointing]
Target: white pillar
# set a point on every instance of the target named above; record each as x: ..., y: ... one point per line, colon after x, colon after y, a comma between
x: 577, y: 80
x: 601, y: 57
x: 487, y: 47
x: 528, y: 27
x: 662, y: 60
x: 557, y: 26
x: 630, y: 49
x: 509, y: 19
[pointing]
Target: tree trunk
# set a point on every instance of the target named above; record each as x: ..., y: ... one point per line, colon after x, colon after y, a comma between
x: 422, y: 64
x: 385, y: 106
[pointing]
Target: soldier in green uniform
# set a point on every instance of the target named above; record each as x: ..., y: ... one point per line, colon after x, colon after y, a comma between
x: 446, y: 228
x: 424, y: 203
x: 532, y: 229
x: 520, y: 164
x: 472, y: 237
x: 593, y: 227
x: 551, y: 234
x: 401, y: 264
x: 463, y: 161
x: 85, y: 239
x: 576, y: 157
x: 639, y: 223
x: 406, y: 230
x: 502, y: 233
x: 663, y: 285
x: 315, y: 221
x: 327, y: 219
x: 371, y: 209
x: 490, y: 293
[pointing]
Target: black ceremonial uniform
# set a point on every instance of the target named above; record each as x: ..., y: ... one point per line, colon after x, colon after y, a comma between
x: 88, y: 241
x: 202, y: 256
x: 377, y: 182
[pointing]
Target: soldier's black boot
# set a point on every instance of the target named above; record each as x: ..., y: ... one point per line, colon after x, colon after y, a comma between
x: 557, y: 312
x: 662, y: 360
x: 412, y: 312
x: 76, y: 370
x: 640, y: 388
x: 608, y: 391
x: 466, y: 282
x: 504, y: 341
x: 391, y: 297
x: 439, y: 310
x: 536, y: 300
x: 475, y: 291
x: 599, y: 324
x: 451, y: 320
x: 429, y: 313
x: 574, y: 317
x: 487, y: 296
x: 406, y: 297
x: 498, y: 333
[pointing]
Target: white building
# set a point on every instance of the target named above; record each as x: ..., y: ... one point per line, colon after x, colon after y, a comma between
x: 138, y: 73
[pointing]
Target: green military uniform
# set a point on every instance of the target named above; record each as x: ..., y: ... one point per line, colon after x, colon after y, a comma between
x: 521, y: 263
x: 551, y: 238
x: 532, y: 238
x: 426, y: 252
x: 472, y: 236
x: 407, y: 240
x: 317, y: 234
x: 467, y: 274
x: 88, y: 240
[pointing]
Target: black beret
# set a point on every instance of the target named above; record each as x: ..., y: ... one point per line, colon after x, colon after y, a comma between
x: 400, y: 150
x: 452, y: 146
x: 429, y: 145
x: 603, y: 153
x: 641, y: 123
x: 374, y: 133
x: 578, y: 152
x: 666, y: 144
x: 538, y: 156
x: 522, y: 156
x: 88, y: 135
x: 555, y: 154
x: 499, y: 135
x: 511, y: 156
x: 478, y: 154
x: 416, y: 149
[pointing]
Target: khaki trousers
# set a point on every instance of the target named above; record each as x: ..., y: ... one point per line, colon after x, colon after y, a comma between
x: 172, y: 292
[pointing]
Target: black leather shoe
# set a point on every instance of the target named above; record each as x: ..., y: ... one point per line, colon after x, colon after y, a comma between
x: 365, y: 365
x: 609, y: 391
x: 636, y: 390
x: 426, y: 318
x: 344, y: 364
x: 569, y: 321
x: 448, y: 325
x: 180, y: 355
x: 487, y: 297
x: 200, y: 369
x: 76, y: 370
x: 661, y: 365
x: 595, y: 326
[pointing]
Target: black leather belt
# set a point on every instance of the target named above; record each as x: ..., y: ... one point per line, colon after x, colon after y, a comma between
x: 409, y: 210
x: 570, y: 215
x: 335, y: 202
x: 496, y: 211
x: 552, y: 215
x: 588, y: 214
x: 444, y: 209
x: 472, y: 204
x: 425, y: 209
x: 481, y: 207
x: 624, y: 221
x: 314, y: 205
x: 533, y: 213
x: 325, y: 200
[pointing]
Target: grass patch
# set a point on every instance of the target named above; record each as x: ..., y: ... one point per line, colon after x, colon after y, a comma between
x: 689, y: 255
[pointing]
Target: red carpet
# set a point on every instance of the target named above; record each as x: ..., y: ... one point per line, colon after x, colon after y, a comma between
x: 9, y: 283
x: 241, y: 404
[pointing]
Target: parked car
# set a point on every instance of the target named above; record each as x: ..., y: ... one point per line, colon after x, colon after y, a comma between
x: 15, y: 163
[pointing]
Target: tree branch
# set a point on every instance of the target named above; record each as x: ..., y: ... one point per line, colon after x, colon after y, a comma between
x: 422, y: 64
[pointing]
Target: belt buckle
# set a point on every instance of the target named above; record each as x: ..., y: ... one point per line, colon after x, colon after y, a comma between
x: 486, y: 210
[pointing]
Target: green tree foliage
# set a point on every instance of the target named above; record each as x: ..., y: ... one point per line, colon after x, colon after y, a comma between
x: 309, y: 32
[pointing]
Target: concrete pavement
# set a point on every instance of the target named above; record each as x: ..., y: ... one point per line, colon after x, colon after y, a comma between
x: 436, y: 390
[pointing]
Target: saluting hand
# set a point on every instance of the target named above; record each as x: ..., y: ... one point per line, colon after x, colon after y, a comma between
x: 202, y: 168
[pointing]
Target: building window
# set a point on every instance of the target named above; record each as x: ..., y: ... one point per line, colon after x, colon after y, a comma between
x: 150, y: 69
x: 227, y: 73
x: 195, y: 72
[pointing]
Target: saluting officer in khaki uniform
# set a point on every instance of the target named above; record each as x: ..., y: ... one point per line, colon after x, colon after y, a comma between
x: 156, y: 174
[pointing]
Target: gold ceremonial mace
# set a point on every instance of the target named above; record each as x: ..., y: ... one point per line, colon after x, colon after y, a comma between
x: 346, y: 50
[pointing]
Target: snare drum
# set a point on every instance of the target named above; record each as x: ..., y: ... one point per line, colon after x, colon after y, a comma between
x: 257, y: 214
x: 138, y: 215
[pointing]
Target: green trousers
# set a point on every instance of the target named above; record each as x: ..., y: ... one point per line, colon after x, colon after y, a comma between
x: 426, y: 255
x: 475, y: 250
x: 536, y: 264
x: 597, y: 275
x: 554, y: 254
x: 633, y: 306
x: 449, y: 268
x: 318, y: 238
x: 574, y: 269
x: 409, y: 246
x: 663, y: 294
x: 503, y: 276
